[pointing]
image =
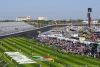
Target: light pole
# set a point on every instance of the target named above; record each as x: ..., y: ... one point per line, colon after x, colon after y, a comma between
x: 37, y: 24
x: 55, y: 25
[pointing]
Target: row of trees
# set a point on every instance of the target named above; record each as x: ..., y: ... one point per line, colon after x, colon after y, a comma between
x: 57, y: 21
x: 50, y: 22
x: 40, y: 23
x: 7, y: 20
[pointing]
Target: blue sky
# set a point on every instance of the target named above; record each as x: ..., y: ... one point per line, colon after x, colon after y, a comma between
x: 52, y: 9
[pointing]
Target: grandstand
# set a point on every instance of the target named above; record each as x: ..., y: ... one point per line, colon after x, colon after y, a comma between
x: 8, y: 28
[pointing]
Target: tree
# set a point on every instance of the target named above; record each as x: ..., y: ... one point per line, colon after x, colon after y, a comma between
x: 99, y: 21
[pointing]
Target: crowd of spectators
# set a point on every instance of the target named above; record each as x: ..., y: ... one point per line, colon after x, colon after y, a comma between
x: 71, y: 47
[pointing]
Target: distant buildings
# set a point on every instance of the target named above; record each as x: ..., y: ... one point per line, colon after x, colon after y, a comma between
x: 42, y: 18
x: 23, y: 18
x: 92, y: 21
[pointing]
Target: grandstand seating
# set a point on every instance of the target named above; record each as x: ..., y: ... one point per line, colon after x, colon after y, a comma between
x: 8, y: 28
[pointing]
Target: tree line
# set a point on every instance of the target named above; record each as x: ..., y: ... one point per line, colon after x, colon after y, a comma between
x: 39, y: 23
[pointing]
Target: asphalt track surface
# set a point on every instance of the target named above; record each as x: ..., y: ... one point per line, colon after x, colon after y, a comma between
x: 34, y: 33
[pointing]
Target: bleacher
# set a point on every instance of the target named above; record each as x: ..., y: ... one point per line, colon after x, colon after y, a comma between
x: 8, y: 28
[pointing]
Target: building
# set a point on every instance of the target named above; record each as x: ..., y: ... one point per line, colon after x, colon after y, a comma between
x: 23, y: 18
x: 42, y: 18
x: 95, y: 21
x: 85, y: 21
x: 92, y: 21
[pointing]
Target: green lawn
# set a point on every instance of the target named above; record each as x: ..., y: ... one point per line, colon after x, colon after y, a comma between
x: 39, y: 50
